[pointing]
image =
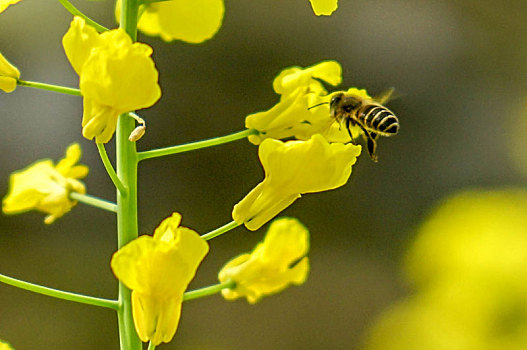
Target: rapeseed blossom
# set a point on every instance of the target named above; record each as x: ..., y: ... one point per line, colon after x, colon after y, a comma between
x: 4, y: 4
x: 293, y: 168
x: 324, y: 7
x: 467, y: 266
x: 46, y: 187
x: 116, y: 76
x: 277, y: 262
x: 8, y: 75
x: 299, y: 88
x: 158, y: 270
x: 192, y: 21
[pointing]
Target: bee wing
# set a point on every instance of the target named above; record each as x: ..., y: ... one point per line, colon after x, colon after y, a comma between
x: 384, y: 96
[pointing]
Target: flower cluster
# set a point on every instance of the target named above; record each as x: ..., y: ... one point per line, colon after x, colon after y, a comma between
x: 46, y: 187
x: 116, y: 76
x: 319, y: 158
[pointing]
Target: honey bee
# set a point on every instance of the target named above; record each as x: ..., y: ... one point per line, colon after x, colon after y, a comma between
x: 369, y: 114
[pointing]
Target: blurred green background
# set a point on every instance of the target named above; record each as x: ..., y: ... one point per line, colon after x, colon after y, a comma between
x: 461, y: 72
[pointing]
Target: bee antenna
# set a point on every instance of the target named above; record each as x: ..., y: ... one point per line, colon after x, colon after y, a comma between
x: 320, y: 104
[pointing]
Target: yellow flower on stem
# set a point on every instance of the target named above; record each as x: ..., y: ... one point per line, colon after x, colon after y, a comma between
x: 291, y: 169
x: 4, y: 4
x: 300, y: 89
x: 158, y: 270
x: 279, y: 261
x: 193, y: 21
x: 116, y: 76
x: 8, y: 74
x: 324, y: 7
x: 45, y: 187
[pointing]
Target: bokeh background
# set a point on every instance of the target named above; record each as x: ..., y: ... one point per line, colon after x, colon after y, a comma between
x: 459, y: 68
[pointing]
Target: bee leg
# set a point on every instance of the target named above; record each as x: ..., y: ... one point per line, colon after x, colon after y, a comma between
x: 371, y: 143
x: 348, y: 127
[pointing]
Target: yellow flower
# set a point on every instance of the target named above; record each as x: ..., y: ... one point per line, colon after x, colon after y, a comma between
x: 474, y: 233
x: 8, y: 75
x: 279, y: 261
x: 116, y: 76
x: 467, y: 264
x: 193, y: 21
x: 301, y: 89
x: 158, y: 269
x: 4, y: 4
x: 45, y: 187
x: 324, y: 7
x: 291, y: 169
x: 4, y: 345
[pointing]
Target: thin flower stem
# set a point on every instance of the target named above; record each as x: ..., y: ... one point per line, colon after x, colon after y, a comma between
x: 220, y: 230
x: 151, y: 346
x: 49, y: 87
x: 55, y: 293
x: 94, y: 201
x: 210, y: 290
x: 74, y: 11
x: 196, y: 145
x: 110, y: 170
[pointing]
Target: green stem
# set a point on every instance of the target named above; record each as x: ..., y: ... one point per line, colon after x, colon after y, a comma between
x: 127, y: 200
x: 49, y: 87
x: 151, y: 346
x: 74, y: 11
x: 220, y: 230
x: 196, y: 145
x: 55, y: 293
x: 109, y: 168
x: 210, y: 290
x: 94, y: 201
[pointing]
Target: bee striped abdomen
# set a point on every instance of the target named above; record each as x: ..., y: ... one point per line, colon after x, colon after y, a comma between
x: 379, y: 119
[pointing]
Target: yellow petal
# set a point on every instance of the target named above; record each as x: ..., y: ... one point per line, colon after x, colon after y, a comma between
x: 99, y: 121
x: 120, y: 74
x: 8, y: 75
x: 193, y: 21
x: 67, y: 166
x: 78, y: 42
x: 4, y: 4
x: 295, y: 77
x: 167, y: 229
x: 156, y: 319
x: 260, y: 205
x: 324, y: 7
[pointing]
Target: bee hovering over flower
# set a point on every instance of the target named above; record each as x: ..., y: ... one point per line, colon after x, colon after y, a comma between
x: 369, y: 114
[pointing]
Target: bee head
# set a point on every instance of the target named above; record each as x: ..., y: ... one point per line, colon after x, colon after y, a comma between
x: 334, y: 103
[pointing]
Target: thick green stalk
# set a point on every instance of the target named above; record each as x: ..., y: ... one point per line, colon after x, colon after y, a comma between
x: 127, y: 201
